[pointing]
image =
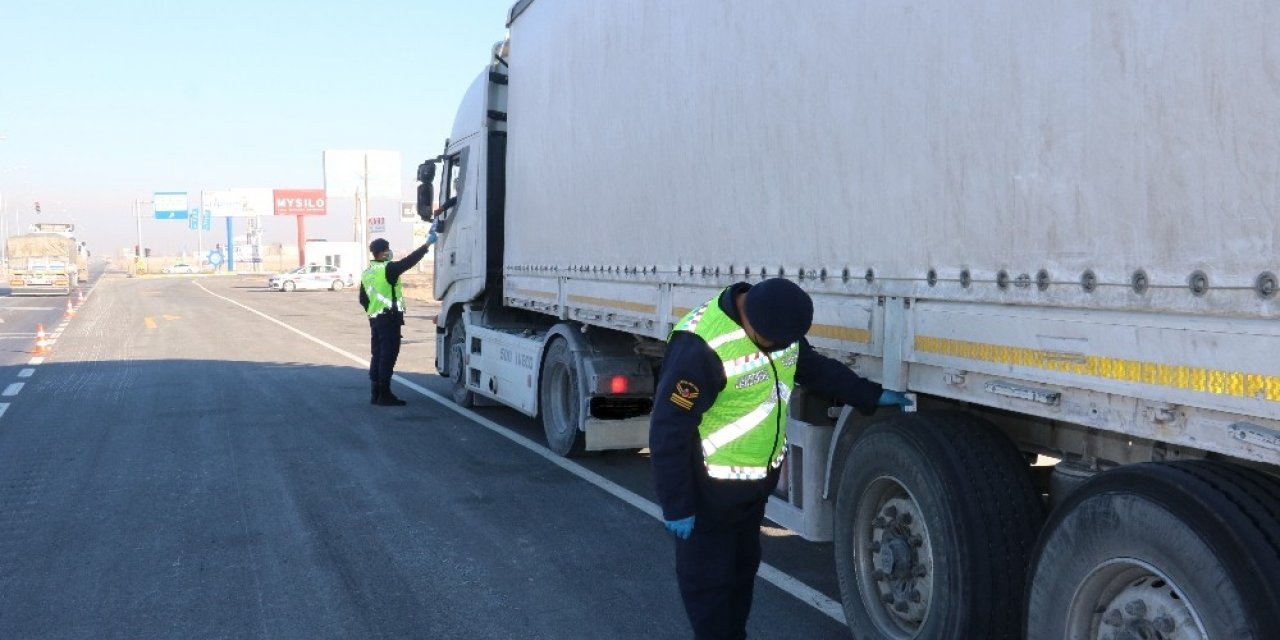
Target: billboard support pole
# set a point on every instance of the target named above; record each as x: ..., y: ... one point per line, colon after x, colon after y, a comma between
x: 302, y: 240
x: 231, y: 247
x: 200, y: 235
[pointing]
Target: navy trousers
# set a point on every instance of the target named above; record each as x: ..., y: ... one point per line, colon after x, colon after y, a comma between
x: 716, y: 567
x: 384, y: 347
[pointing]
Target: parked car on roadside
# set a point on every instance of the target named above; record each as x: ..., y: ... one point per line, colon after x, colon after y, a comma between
x: 312, y: 276
x: 180, y: 267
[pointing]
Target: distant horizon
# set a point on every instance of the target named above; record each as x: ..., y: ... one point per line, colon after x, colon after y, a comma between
x: 255, y: 100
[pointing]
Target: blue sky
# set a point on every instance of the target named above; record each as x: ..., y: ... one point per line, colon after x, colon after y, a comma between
x: 105, y: 101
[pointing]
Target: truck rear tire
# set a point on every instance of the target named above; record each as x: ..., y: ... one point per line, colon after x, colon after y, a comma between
x: 560, y: 401
x: 936, y: 518
x: 458, y: 365
x: 1161, y: 550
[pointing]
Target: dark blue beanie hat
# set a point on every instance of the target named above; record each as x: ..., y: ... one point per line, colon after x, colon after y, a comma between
x: 779, y: 310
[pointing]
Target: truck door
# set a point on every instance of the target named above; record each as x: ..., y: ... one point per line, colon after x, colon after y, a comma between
x: 457, y: 221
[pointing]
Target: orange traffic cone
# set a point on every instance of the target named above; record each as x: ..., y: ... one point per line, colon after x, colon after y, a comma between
x: 71, y: 310
x: 42, y: 341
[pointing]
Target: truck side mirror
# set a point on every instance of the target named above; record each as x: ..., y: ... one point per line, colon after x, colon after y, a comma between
x: 426, y: 195
x: 426, y: 190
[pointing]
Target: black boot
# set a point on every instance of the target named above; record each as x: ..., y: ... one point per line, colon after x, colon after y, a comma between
x: 388, y: 399
x: 374, y: 391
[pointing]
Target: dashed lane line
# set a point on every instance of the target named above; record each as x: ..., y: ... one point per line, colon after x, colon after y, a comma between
x: 12, y: 389
x: 767, y: 572
x: 26, y: 373
x: 38, y: 360
x: 4, y: 406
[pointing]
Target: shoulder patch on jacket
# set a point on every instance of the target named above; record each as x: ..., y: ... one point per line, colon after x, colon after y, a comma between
x: 687, y: 389
x: 685, y: 394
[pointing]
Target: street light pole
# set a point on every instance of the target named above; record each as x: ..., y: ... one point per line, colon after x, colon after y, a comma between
x: 137, y: 218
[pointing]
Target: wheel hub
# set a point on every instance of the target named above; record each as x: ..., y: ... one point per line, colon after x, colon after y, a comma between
x: 1148, y: 608
x: 902, y: 560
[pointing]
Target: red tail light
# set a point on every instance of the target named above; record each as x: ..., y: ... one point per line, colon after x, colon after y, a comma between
x: 618, y: 384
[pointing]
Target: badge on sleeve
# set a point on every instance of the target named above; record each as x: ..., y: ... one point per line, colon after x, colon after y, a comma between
x: 686, y: 392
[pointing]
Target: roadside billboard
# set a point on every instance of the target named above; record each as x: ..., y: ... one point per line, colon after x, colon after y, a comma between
x: 239, y: 203
x: 299, y: 202
x: 170, y: 205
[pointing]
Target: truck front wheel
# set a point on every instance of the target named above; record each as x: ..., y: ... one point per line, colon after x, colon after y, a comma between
x: 458, y: 364
x: 560, y: 400
x: 1183, y: 550
x: 936, y: 517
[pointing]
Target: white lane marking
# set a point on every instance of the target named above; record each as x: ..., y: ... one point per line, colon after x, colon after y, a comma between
x: 26, y: 373
x: 4, y: 406
x: 35, y: 361
x: 768, y: 573
x: 13, y: 389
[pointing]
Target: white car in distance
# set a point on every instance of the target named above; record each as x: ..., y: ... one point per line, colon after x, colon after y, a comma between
x: 311, y: 276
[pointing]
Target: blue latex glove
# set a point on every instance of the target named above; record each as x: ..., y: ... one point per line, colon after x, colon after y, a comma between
x: 432, y: 237
x: 680, y: 528
x: 894, y: 399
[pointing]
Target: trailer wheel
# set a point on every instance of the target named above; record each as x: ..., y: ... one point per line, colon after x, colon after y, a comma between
x: 936, y: 517
x: 458, y: 364
x: 1183, y: 550
x: 560, y: 401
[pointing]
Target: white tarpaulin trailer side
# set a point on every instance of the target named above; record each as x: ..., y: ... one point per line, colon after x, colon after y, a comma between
x: 1058, y: 141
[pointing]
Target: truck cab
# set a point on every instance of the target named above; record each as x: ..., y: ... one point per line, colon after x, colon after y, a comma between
x: 468, y: 255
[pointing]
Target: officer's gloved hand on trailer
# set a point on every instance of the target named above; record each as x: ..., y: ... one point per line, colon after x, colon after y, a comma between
x: 894, y: 399
x: 681, y: 528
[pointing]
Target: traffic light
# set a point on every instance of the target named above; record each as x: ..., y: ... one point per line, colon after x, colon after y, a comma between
x: 146, y: 253
x: 136, y: 252
x: 37, y: 206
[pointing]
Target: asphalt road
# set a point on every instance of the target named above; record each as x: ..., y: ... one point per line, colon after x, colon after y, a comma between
x: 197, y: 458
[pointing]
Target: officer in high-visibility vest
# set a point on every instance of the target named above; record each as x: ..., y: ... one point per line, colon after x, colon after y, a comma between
x: 718, y: 433
x: 382, y: 298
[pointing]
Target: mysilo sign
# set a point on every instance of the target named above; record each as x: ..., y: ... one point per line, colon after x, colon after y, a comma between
x: 299, y: 202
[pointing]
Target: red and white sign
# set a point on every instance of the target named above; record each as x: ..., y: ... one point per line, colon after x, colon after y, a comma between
x: 299, y: 202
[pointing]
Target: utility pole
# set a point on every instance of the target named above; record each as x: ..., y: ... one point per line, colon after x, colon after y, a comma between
x: 364, y: 209
x: 137, y: 249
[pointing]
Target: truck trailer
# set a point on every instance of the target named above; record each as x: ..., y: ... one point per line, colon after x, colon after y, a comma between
x: 1055, y: 223
x: 43, y: 263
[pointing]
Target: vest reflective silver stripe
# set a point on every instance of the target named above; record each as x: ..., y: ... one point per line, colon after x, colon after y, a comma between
x: 746, y: 363
x: 736, y: 429
x: 726, y: 472
x: 727, y: 338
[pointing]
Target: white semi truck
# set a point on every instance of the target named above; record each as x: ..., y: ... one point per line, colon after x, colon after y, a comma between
x: 1054, y: 222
